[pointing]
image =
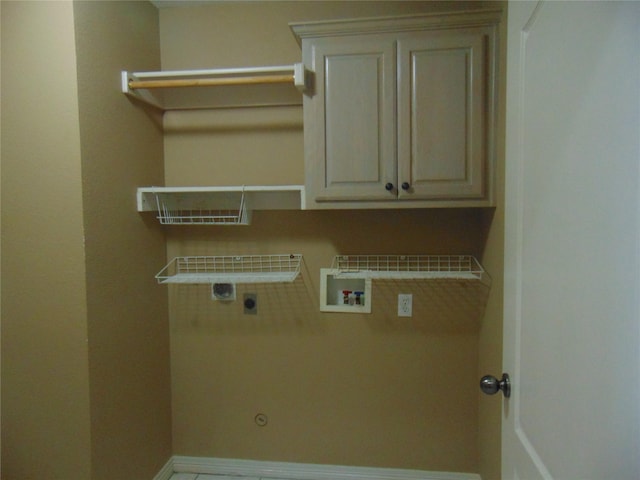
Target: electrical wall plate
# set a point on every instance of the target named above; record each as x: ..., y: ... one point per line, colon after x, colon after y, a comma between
x: 405, y: 304
x: 223, y: 291
x: 250, y: 303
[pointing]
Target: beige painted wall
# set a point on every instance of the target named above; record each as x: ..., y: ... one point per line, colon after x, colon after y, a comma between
x: 45, y: 375
x: 85, y: 347
x: 121, y: 146
x: 370, y: 390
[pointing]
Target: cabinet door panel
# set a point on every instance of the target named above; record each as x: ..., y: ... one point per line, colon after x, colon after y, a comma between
x: 354, y: 126
x: 442, y: 148
x: 352, y: 119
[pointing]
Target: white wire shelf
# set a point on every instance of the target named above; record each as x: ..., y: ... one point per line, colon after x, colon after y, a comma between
x: 228, y: 205
x: 189, y: 210
x: 408, y: 267
x: 231, y: 269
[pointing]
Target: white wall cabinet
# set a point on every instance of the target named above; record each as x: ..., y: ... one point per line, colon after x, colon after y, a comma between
x: 401, y: 112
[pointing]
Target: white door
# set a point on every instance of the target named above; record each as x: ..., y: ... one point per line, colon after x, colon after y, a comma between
x: 572, y: 251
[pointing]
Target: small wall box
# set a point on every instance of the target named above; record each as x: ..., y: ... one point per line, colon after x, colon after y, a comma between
x: 340, y: 293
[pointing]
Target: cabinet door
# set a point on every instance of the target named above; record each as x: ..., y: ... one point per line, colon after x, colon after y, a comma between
x: 350, y: 120
x: 442, y: 114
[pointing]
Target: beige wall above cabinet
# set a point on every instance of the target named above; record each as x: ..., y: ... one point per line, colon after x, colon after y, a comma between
x: 401, y: 113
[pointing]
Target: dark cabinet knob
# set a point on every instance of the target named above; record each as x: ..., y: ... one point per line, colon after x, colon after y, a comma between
x: 491, y: 385
x: 406, y: 186
x: 389, y: 186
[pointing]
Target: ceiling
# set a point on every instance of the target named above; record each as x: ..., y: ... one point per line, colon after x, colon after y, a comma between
x: 185, y: 3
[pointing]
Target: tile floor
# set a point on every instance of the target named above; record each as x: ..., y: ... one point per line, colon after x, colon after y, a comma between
x: 202, y: 476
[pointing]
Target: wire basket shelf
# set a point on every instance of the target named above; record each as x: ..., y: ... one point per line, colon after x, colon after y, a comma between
x: 408, y: 266
x: 231, y: 269
x: 186, y: 209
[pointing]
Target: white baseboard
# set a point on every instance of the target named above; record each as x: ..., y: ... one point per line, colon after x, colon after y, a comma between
x: 165, y: 472
x: 254, y: 469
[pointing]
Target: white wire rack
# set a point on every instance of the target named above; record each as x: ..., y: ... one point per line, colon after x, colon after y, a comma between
x: 231, y: 269
x: 408, y: 266
x: 184, y: 209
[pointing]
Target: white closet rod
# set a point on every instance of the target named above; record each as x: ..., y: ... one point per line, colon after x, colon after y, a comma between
x: 212, y: 82
x: 294, y: 74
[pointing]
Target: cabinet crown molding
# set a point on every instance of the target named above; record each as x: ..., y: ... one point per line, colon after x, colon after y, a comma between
x: 391, y: 24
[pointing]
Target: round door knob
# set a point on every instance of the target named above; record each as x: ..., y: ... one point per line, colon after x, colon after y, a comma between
x: 491, y: 385
x: 388, y: 187
x: 406, y: 186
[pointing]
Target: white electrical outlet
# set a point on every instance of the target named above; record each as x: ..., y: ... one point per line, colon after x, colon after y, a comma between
x: 405, y: 304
